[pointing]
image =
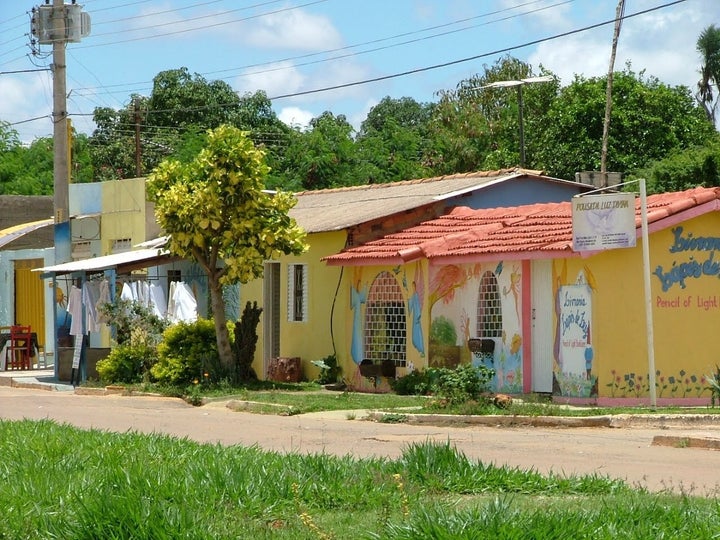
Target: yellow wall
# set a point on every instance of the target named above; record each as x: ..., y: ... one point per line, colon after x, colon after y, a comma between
x: 123, y: 212
x: 685, y: 319
x: 313, y: 339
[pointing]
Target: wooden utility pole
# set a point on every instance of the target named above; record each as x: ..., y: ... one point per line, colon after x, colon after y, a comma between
x: 138, y: 160
x: 619, y: 13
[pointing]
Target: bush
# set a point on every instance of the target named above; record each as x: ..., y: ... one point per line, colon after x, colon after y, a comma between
x: 127, y: 364
x: 188, y: 354
x: 464, y: 383
x: 132, y: 321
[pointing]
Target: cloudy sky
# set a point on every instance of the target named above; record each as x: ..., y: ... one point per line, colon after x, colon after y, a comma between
x: 344, y: 56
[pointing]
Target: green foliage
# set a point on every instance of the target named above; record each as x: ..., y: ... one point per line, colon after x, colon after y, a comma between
x: 94, y: 484
x: 649, y: 121
x: 217, y: 213
x: 713, y: 382
x: 684, y: 169
x: 127, y: 364
x: 330, y: 370
x: 245, y: 341
x: 215, y: 209
x: 453, y: 386
x: 134, y: 323
x: 442, y: 331
x: 188, y: 354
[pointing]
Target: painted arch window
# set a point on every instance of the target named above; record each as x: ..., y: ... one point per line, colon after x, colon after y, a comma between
x: 297, y: 293
x: 385, y: 321
x: 489, y: 308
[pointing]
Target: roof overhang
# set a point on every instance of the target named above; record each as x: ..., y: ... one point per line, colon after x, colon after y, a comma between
x: 17, y: 231
x: 121, y: 262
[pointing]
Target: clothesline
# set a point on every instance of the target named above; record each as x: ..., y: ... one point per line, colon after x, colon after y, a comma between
x: 182, y: 305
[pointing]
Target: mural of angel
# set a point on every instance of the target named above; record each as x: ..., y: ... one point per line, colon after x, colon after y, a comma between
x: 358, y: 296
x: 415, y: 303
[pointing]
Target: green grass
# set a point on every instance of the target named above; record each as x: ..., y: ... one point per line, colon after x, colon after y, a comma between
x: 57, y: 481
x: 300, y: 398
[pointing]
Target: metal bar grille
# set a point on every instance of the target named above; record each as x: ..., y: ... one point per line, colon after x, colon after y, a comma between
x: 385, y: 321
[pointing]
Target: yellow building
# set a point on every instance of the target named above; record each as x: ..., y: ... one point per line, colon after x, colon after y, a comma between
x: 504, y: 288
x: 308, y: 305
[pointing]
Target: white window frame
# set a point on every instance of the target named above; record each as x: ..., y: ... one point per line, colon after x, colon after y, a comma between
x: 297, y: 313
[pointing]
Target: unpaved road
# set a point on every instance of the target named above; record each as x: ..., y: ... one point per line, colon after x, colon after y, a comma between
x: 625, y: 453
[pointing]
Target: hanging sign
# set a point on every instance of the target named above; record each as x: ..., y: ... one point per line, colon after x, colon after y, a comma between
x: 603, y: 221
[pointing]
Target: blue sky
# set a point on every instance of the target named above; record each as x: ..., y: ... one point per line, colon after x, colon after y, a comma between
x: 294, y: 46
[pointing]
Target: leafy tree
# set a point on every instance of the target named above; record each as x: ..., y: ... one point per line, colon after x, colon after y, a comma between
x: 650, y: 120
x: 684, y: 169
x: 476, y: 127
x: 393, y: 139
x: 708, y: 45
x: 180, y: 99
x: 324, y: 156
x: 217, y: 213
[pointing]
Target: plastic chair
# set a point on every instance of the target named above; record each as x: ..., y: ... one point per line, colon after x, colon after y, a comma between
x: 20, y: 350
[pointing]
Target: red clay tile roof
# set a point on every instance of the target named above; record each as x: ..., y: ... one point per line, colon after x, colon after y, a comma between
x: 521, y: 232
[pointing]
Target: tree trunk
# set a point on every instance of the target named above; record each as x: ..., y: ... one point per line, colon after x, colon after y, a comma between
x: 221, y: 331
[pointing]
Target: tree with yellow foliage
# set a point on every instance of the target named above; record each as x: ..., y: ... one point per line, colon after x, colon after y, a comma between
x: 217, y: 212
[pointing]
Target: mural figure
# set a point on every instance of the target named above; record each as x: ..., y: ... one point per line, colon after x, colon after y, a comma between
x: 514, y: 288
x: 358, y: 296
x: 415, y: 310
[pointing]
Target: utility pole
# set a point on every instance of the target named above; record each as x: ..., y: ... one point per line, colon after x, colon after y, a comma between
x: 63, y: 242
x: 608, y: 93
x: 138, y: 159
x: 56, y: 25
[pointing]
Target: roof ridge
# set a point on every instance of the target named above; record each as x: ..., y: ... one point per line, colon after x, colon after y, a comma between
x: 411, y: 181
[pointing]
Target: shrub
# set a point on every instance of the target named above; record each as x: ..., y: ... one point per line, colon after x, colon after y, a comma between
x: 188, y: 354
x: 127, y: 364
x: 464, y: 383
x: 132, y: 321
x: 329, y: 370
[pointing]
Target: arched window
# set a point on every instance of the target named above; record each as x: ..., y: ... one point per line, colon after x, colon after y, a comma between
x: 385, y: 321
x: 489, y: 312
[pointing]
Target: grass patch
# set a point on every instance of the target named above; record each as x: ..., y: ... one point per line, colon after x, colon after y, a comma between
x: 62, y: 482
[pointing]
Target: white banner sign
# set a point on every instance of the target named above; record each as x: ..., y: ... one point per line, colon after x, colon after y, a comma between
x: 603, y: 221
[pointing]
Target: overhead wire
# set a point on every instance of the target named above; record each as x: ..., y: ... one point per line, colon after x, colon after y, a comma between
x: 434, y: 66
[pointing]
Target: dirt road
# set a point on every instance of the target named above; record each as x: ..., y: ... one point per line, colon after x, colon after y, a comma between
x: 625, y: 453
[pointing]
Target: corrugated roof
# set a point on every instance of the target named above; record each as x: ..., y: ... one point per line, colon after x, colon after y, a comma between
x: 521, y: 232
x: 340, y: 208
x: 17, y: 231
x: 123, y: 262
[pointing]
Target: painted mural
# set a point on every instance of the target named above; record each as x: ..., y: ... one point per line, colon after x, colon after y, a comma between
x: 684, y: 273
x: 475, y: 313
x: 573, y: 350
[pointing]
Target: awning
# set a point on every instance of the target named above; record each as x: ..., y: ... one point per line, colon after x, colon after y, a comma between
x: 16, y: 231
x: 123, y: 262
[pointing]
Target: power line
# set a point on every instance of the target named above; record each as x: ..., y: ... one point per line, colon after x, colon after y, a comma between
x: 426, y: 68
x: 470, y: 58
x: 371, y: 42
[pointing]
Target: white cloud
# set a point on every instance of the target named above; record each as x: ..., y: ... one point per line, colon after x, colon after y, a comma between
x: 662, y: 43
x: 275, y: 79
x: 296, y: 117
x: 21, y: 98
x: 292, y: 29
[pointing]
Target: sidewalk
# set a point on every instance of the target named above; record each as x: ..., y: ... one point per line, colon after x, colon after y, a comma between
x: 40, y: 379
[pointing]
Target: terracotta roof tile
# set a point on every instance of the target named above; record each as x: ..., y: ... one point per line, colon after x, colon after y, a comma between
x: 516, y: 232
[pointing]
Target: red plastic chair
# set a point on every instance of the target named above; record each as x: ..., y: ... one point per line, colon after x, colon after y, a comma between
x: 20, y: 351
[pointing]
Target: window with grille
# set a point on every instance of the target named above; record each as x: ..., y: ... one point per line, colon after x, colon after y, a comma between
x: 385, y: 321
x: 121, y: 245
x: 173, y: 275
x: 297, y: 292
x: 489, y: 312
x: 81, y: 250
